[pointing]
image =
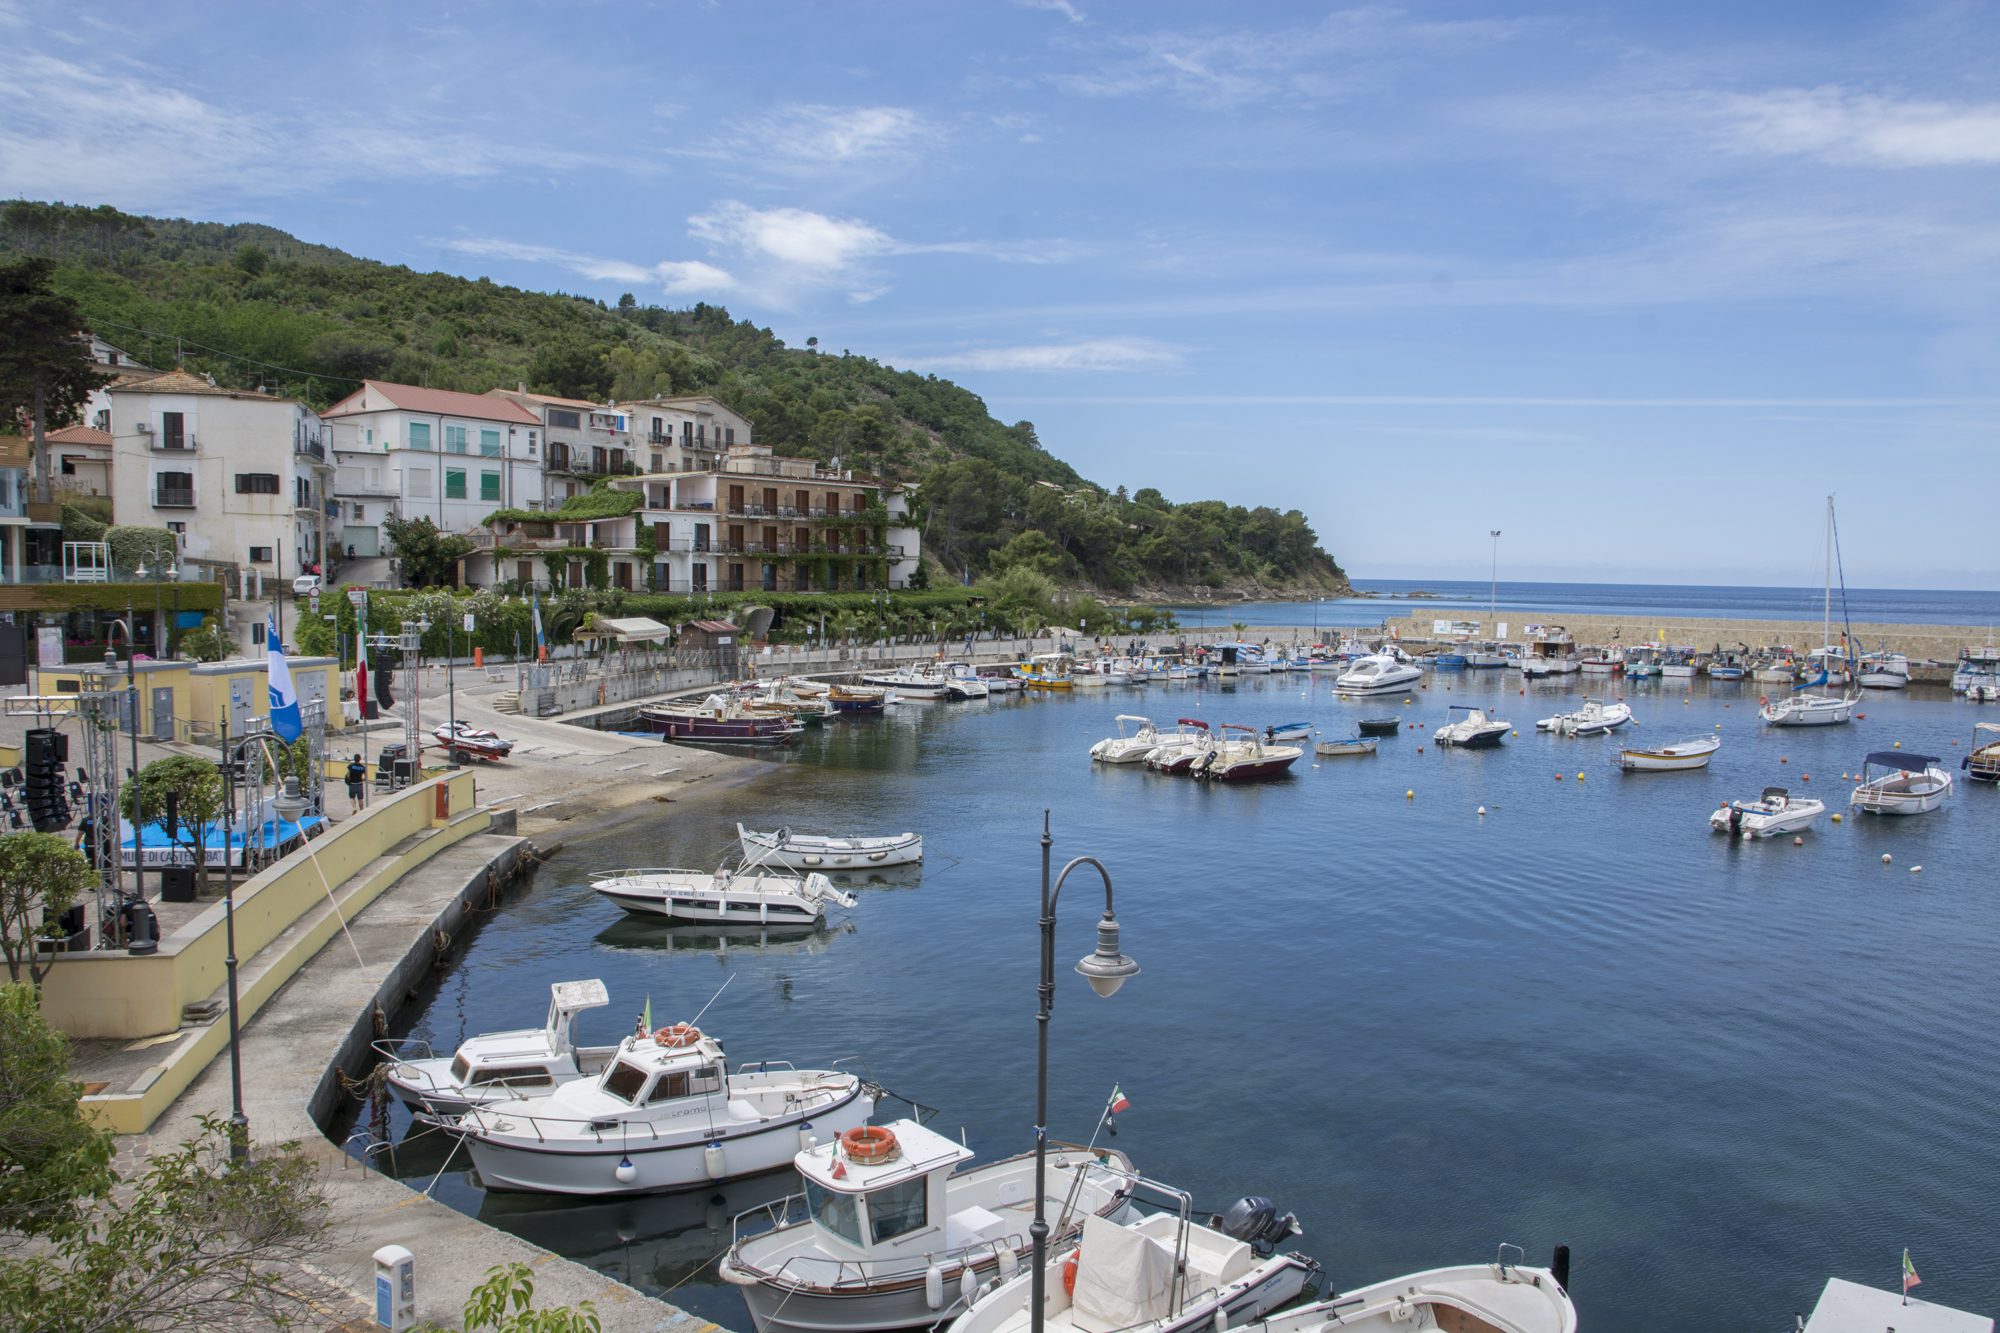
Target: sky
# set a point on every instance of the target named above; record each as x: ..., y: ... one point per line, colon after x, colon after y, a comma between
x: 1636, y: 284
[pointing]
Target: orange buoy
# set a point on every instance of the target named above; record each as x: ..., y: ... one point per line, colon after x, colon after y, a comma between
x: 676, y: 1035
x: 1069, y: 1271
x: 868, y: 1143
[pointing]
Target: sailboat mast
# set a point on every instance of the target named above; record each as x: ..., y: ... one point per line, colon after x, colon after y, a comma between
x: 1826, y: 607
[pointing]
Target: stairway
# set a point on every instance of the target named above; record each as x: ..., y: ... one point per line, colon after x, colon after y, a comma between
x: 510, y: 702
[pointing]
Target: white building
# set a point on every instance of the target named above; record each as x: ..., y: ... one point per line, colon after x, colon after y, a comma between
x: 689, y: 434
x: 450, y: 457
x: 240, y: 475
x: 582, y: 441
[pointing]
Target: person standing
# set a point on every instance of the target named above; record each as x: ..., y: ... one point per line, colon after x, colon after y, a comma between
x: 357, y: 782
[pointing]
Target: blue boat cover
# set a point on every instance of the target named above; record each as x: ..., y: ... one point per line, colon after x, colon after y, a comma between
x: 1900, y: 759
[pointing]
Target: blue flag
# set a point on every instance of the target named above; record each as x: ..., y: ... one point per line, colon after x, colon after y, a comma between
x: 535, y: 607
x: 284, y: 699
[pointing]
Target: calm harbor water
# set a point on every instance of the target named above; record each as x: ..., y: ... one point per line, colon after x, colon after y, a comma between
x: 1720, y: 1072
x: 1392, y: 597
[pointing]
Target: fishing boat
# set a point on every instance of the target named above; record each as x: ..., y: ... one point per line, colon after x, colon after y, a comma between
x: 1245, y: 759
x: 1178, y: 753
x: 1380, y: 726
x: 857, y: 698
x: 723, y: 896
x: 1727, y: 666
x: 1046, y: 671
x: 1643, y: 662
x: 1883, y: 671
x: 1775, y: 666
x: 1378, y: 673
x: 665, y: 1114
x: 1593, y: 719
x: 1484, y: 656
x: 1358, y: 745
x: 1288, y: 731
x: 812, y: 851
x: 498, y: 1066
x: 895, y: 1230
x: 1136, y: 739
x: 1448, y: 661
x: 1474, y: 731
x: 1694, y: 752
x: 774, y: 700
x: 1500, y: 1297
x: 1607, y: 661
x: 1983, y: 764
x: 1776, y: 812
x: 718, y: 720
x: 1830, y: 665
x: 1909, y: 784
x: 466, y: 742
x: 1976, y: 667
x: 1165, y: 1272
x: 1679, y: 663
x: 1551, y: 652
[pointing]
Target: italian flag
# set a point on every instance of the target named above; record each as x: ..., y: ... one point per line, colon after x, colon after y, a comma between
x: 1910, y: 1278
x: 1120, y: 1104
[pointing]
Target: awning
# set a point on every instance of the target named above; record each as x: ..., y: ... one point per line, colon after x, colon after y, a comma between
x: 627, y: 629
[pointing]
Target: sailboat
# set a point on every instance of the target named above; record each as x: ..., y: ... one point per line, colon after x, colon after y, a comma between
x: 1803, y: 708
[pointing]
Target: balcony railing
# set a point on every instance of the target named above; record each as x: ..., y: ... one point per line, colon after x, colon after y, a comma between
x: 173, y: 498
x: 312, y: 450
x: 173, y: 444
x: 748, y: 510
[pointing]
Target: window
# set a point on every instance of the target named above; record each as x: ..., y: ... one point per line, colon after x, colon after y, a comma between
x: 729, y: 435
x: 624, y: 1081
x: 454, y: 483
x: 178, y: 528
x: 896, y: 1210
x: 489, y: 485
x: 454, y: 439
x: 256, y: 483
x: 68, y: 466
x: 173, y: 430
x: 257, y: 634
x: 360, y: 513
x: 260, y: 555
x: 566, y: 420
x: 420, y: 434
x: 838, y: 1213
x: 669, y: 1088
x: 368, y: 437
x: 420, y: 483
x: 489, y: 443
x: 513, y: 1076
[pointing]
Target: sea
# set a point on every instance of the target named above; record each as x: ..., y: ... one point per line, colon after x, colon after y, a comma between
x: 1431, y: 1001
x: 1384, y: 599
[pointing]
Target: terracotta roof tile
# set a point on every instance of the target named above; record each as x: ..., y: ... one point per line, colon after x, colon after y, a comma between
x: 441, y: 402
x: 80, y: 435
x: 181, y: 381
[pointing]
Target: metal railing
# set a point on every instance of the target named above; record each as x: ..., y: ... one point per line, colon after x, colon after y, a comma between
x: 173, y: 498
x: 174, y: 444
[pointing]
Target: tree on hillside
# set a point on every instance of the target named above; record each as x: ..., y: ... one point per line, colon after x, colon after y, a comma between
x: 429, y: 557
x: 41, y: 877
x: 570, y: 368
x: 46, y: 372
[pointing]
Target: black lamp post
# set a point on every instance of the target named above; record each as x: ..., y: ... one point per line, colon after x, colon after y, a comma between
x: 1106, y: 969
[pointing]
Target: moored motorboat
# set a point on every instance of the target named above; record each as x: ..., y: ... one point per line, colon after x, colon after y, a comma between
x: 1474, y: 731
x: 1046, y: 671
x: 665, y: 1114
x: 1694, y: 752
x: 1883, y: 671
x: 1358, y: 745
x: 499, y: 1066
x: 813, y: 851
x: 1983, y: 764
x: 1136, y: 739
x: 722, y: 897
x: 1607, y: 661
x: 1288, y: 731
x: 1500, y: 1297
x: 1380, y: 726
x: 1909, y: 784
x: 1776, y: 812
x: 1727, y: 666
x: 894, y: 1230
x: 857, y: 698
x: 1177, y: 754
x: 1244, y: 758
x: 1551, y: 652
x: 718, y: 720
x: 1377, y: 673
x: 1593, y: 719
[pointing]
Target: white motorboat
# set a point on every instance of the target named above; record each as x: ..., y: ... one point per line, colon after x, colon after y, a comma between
x: 1884, y: 671
x: 1775, y: 667
x: 1983, y: 764
x: 1500, y: 1297
x: 1830, y: 665
x: 499, y: 1066
x: 1474, y: 731
x: 1484, y: 657
x: 1244, y: 759
x: 1679, y: 664
x: 1909, y: 784
x: 963, y: 681
x: 1136, y: 739
x: 911, y: 682
x: 723, y: 897
x: 890, y: 1232
x: 1607, y: 661
x: 812, y: 851
x: 1593, y: 719
x: 1775, y: 813
x: 1849, y: 1307
x: 1806, y: 709
x: 467, y: 742
x: 665, y: 1114
x: 1166, y: 1272
x: 1551, y: 652
x: 1181, y: 749
x: 1376, y: 673
x: 1288, y: 731
x: 1694, y: 752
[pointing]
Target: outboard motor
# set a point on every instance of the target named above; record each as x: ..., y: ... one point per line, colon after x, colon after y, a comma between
x: 1256, y: 1221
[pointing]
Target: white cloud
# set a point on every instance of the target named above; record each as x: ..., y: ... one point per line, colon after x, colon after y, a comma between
x: 794, y: 238
x: 682, y: 277
x: 1095, y: 355
x: 1864, y: 128
x: 812, y: 138
x: 689, y: 277
x: 1062, y: 7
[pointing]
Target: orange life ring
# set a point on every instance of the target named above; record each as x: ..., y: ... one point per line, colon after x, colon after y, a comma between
x: 676, y: 1035
x: 1069, y: 1271
x: 868, y: 1143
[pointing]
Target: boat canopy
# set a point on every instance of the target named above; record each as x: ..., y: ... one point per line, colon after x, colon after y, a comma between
x: 1900, y: 759
x: 1191, y: 722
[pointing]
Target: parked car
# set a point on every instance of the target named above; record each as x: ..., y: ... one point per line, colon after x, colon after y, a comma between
x: 305, y: 585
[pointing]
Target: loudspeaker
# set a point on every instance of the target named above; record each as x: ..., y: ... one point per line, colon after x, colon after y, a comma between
x: 46, y: 751
x: 177, y: 884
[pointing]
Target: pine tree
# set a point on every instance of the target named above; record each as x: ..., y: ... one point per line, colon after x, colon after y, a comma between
x: 46, y: 372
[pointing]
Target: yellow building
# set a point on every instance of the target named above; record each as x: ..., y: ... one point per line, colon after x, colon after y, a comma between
x: 187, y: 701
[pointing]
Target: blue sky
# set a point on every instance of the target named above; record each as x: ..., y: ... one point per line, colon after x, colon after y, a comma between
x: 1636, y: 284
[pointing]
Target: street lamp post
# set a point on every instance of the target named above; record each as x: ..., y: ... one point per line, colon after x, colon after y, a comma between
x: 1493, y: 589
x: 1106, y: 969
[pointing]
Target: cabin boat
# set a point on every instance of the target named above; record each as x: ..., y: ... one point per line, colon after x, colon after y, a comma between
x: 463, y: 741
x: 1046, y: 671
x: 1775, y: 666
x: 723, y: 897
x: 962, y: 681
x: 813, y: 851
x: 1593, y: 719
x: 1376, y: 673
x: 1179, y: 750
x: 665, y: 1114
x: 718, y: 720
x: 1551, y: 652
x: 1474, y: 731
x: 1643, y: 662
x: 1607, y: 661
x: 1679, y: 663
x: 893, y: 1229
x: 1166, y: 1272
x: 1694, y: 752
x: 1245, y: 759
x: 1829, y: 665
x: 1136, y: 739
x: 1883, y: 671
x: 1727, y: 666
x: 1776, y: 812
x: 498, y: 1066
x: 1909, y: 784
x: 1500, y: 1297
x: 1983, y: 764
x: 1484, y: 656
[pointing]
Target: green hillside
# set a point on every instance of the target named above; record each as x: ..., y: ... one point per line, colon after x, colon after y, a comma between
x: 253, y: 305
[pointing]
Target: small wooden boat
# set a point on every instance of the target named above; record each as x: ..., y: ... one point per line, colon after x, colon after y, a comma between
x: 1983, y: 764
x: 1342, y: 749
x: 1776, y: 812
x: 856, y: 699
x: 1909, y: 784
x: 1380, y: 726
x: 1288, y: 731
x: 1499, y: 1297
x: 1694, y: 752
x: 812, y: 851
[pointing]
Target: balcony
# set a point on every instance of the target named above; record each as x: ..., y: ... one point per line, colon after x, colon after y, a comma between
x: 170, y: 444
x: 173, y: 497
x: 311, y: 450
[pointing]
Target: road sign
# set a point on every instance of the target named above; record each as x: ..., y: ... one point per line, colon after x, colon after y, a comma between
x: 468, y: 622
x: 315, y: 599
x: 358, y: 596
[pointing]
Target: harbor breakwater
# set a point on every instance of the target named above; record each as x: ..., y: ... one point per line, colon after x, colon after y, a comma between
x: 1921, y: 643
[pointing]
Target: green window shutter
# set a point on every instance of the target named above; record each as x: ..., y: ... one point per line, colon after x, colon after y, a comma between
x: 420, y: 434
x: 489, y: 443
x: 454, y: 484
x: 489, y: 485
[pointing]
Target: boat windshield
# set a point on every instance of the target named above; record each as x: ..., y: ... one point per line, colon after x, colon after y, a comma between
x: 624, y: 1080
x: 838, y: 1213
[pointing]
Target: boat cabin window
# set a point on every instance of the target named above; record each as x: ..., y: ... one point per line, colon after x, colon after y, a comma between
x: 460, y: 1071
x: 624, y: 1080
x: 897, y: 1210
x: 668, y: 1088
x: 838, y: 1213
x: 708, y: 1078
x: 514, y: 1076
